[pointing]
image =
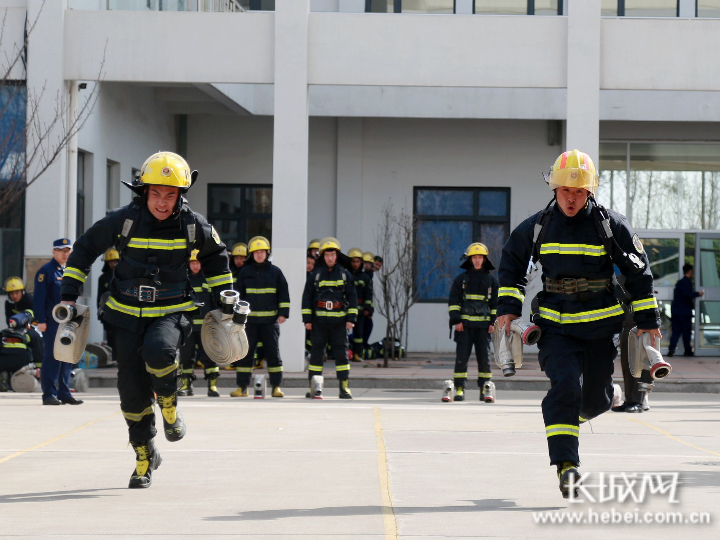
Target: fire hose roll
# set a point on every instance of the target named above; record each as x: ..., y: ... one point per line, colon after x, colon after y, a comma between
x: 643, y: 356
x: 509, y: 349
x: 223, y: 330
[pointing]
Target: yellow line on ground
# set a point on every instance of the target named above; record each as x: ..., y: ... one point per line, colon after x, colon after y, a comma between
x: 388, y: 510
x: 26, y: 450
x: 670, y: 436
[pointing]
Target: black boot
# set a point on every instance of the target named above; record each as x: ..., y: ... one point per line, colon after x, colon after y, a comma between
x: 173, y: 423
x: 186, y: 388
x: 147, y: 459
x: 566, y: 471
x: 212, y: 388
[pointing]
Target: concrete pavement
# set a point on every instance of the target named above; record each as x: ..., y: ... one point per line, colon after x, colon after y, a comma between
x: 389, y: 464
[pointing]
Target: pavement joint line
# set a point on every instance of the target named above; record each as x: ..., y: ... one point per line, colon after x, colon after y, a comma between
x: 670, y: 436
x: 388, y: 510
x: 55, y: 439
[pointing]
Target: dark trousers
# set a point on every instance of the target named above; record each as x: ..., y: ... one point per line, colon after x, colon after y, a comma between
x: 54, y: 375
x: 193, y: 351
x: 269, y: 335
x: 580, y: 373
x: 12, y: 360
x: 147, y: 365
x: 110, y: 335
x: 632, y: 390
x: 358, y: 339
x: 367, y: 328
x: 336, y: 335
x: 465, y: 341
x: 681, y: 326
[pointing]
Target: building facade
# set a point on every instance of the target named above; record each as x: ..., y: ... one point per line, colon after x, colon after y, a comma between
x: 306, y: 118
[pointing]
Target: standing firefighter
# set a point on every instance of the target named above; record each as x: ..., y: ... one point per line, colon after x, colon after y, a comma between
x: 364, y: 292
x: 329, y: 309
x: 472, y: 306
x: 577, y: 241
x: 369, y: 267
x: 264, y: 286
x: 150, y: 295
x: 193, y: 349
x: 238, y: 256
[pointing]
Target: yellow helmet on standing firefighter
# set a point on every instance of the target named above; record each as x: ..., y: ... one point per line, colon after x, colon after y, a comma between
x: 258, y: 242
x: 13, y: 283
x: 329, y: 243
x: 476, y: 248
x: 368, y: 256
x: 314, y: 244
x: 194, y: 254
x: 573, y: 169
x: 355, y: 253
x: 239, y: 250
x: 112, y: 254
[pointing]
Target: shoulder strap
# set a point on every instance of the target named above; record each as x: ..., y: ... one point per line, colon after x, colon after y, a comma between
x: 540, y: 230
x: 602, y: 224
x: 188, y: 224
x: 129, y: 227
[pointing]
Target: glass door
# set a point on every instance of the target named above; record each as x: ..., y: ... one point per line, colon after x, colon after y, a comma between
x: 664, y: 250
x: 707, y: 307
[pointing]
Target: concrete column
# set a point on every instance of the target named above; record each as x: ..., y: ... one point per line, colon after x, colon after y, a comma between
x: 349, y: 183
x: 46, y: 197
x: 583, y: 78
x: 463, y: 7
x: 290, y: 167
x: 686, y: 9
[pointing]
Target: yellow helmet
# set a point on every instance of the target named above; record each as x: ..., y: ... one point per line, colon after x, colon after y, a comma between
x: 355, y: 252
x: 258, y: 242
x: 314, y: 244
x: 476, y: 249
x: 239, y: 250
x: 112, y: 254
x: 329, y: 243
x: 165, y: 169
x: 368, y: 256
x: 194, y: 254
x: 574, y: 169
x: 13, y: 283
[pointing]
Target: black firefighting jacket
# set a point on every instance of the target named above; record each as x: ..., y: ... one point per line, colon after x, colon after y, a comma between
x: 153, y: 266
x: 364, y: 290
x: 329, y: 295
x: 25, y: 304
x: 203, y: 295
x: 473, y: 299
x: 265, y: 287
x: 573, y: 248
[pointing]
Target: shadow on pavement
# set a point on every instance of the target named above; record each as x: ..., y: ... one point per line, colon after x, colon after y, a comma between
x: 50, y: 496
x: 487, y: 505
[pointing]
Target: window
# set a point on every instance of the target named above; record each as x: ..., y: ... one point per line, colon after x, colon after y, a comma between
x: 258, y: 5
x: 13, y: 103
x: 112, y: 185
x: 650, y: 8
x: 448, y: 220
x: 518, y: 7
x: 662, y: 185
x: 80, y: 210
x: 239, y: 212
x: 707, y: 9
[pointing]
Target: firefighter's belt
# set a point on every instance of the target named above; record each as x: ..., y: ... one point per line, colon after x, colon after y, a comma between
x: 577, y: 285
x: 147, y: 293
x: 329, y: 306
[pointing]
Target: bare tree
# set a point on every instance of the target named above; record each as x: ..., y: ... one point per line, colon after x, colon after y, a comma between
x: 396, y: 238
x: 33, y: 143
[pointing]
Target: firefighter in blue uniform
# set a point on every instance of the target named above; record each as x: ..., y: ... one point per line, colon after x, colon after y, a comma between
x: 577, y: 241
x: 264, y: 286
x: 193, y: 349
x: 472, y: 305
x: 364, y: 291
x: 329, y: 309
x: 55, y: 375
x: 150, y: 295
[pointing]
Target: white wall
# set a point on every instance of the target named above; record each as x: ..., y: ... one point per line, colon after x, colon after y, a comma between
x: 12, y: 12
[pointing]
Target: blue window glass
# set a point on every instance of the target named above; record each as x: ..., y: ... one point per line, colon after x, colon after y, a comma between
x: 435, y: 273
x: 13, y: 103
x: 492, y: 203
x: 444, y: 202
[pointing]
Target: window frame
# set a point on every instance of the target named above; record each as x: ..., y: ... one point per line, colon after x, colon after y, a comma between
x: 476, y: 219
x: 241, y: 217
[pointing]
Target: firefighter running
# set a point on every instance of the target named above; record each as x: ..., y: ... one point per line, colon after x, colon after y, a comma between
x: 150, y: 297
x: 577, y: 241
